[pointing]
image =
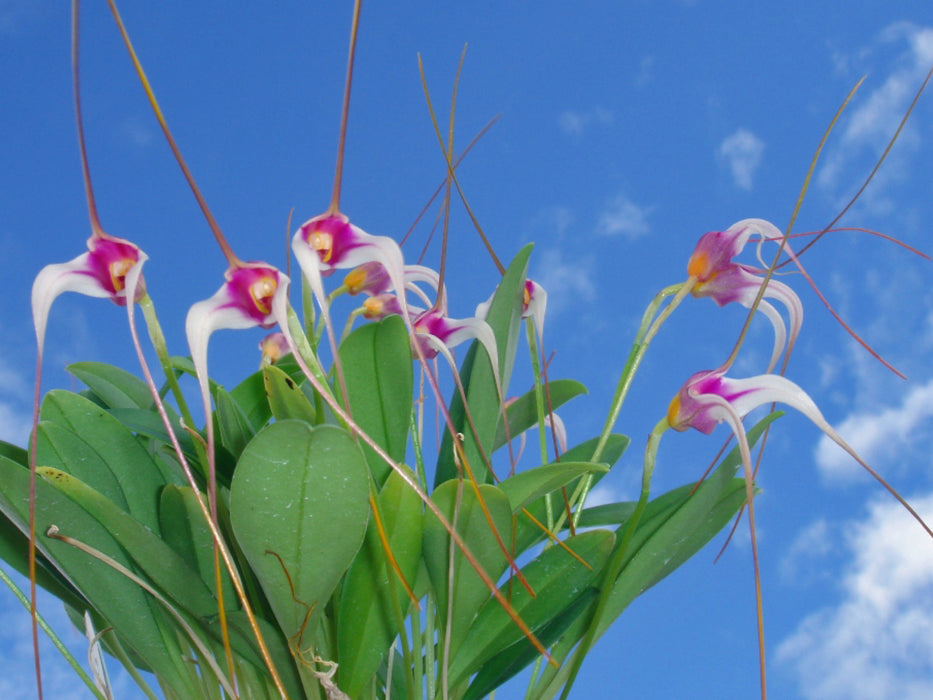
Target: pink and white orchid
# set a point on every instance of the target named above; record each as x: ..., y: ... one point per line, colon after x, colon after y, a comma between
x: 255, y: 294
x: 330, y: 242
x: 709, y: 398
x: 725, y: 281
x: 436, y: 332
x: 100, y: 273
x: 273, y: 348
x: 534, y: 304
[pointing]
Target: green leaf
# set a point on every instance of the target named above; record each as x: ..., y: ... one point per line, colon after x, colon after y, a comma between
x: 557, y: 579
x: 116, y: 387
x: 186, y: 532
x: 367, y: 620
x: 466, y: 514
x: 528, y: 486
x: 522, y: 413
x: 149, y: 424
x: 139, y: 476
x: 250, y: 396
x: 14, y: 452
x: 243, y: 642
x: 234, y: 430
x: 673, y: 528
x: 510, y: 661
x: 285, y: 397
x: 155, y: 558
x: 299, y: 504
x: 504, y: 318
x: 14, y: 550
x: 377, y: 369
x: 136, y: 618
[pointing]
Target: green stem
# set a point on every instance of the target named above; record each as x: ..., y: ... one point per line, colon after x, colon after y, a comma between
x: 539, y: 405
x: 619, y: 556
x: 161, y: 349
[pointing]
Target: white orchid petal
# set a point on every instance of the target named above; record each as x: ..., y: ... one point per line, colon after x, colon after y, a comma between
x: 54, y: 280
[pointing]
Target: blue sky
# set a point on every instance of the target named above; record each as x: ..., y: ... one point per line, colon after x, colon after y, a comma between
x: 626, y: 133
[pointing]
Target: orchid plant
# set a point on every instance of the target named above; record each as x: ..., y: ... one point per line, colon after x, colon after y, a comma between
x: 306, y: 541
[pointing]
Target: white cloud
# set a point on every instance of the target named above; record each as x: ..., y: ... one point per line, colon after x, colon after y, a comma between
x: 575, y: 123
x: 802, y: 561
x: 741, y: 152
x: 872, y: 433
x: 622, y: 217
x: 877, y: 643
x: 873, y: 118
x: 564, y: 281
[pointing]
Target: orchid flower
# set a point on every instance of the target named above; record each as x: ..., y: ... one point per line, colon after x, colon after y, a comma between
x: 534, y: 304
x: 725, y: 281
x: 330, y: 242
x: 101, y: 273
x: 254, y: 294
x: 709, y: 398
x: 273, y: 348
x: 372, y: 278
x: 436, y: 331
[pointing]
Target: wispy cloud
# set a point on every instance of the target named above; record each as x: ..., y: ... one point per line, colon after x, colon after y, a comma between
x: 873, y: 433
x: 622, y: 217
x: 741, y: 152
x: 575, y: 123
x: 566, y: 281
x: 873, y: 119
x: 877, y: 643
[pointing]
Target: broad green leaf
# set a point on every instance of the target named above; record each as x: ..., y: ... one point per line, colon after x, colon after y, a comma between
x: 504, y: 318
x: 250, y: 396
x: 285, y: 397
x: 557, y: 579
x: 149, y: 424
x: 522, y: 413
x: 510, y: 661
x: 14, y: 452
x: 14, y: 550
x: 234, y: 430
x: 459, y: 504
x: 155, y: 558
x: 58, y: 447
x: 527, y: 533
x: 244, y: 643
x: 135, y: 616
x: 116, y: 387
x: 674, y: 527
x: 377, y: 369
x: 299, y: 504
x: 367, y: 620
x: 186, y: 532
x: 530, y: 485
x: 139, y: 476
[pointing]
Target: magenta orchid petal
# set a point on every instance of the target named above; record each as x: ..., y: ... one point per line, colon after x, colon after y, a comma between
x: 330, y: 242
x: 709, y: 398
x: 99, y: 273
x: 725, y: 281
x: 534, y: 304
x: 245, y: 300
x: 452, y: 332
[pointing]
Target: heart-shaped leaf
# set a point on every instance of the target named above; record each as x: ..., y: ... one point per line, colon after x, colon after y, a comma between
x: 299, y: 504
